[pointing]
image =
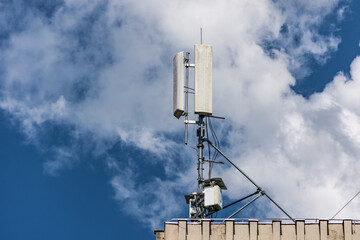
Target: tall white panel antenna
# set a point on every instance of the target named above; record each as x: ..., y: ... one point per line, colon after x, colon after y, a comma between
x: 178, y: 66
x: 203, y: 79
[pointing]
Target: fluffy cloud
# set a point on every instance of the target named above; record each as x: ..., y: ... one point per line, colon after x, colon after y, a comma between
x: 311, y: 149
x: 104, y: 68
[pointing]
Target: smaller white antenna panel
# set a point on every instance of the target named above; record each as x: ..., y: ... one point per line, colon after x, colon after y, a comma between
x: 178, y: 67
x: 203, y: 79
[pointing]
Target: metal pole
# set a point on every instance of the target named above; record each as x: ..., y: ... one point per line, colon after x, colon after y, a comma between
x: 200, y: 133
x: 229, y: 205
x: 200, y: 146
x: 278, y: 206
x: 241, y: 199
x: 253, y: 200
x: 186, y: 96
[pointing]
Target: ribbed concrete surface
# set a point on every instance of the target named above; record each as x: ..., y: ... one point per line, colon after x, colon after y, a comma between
x: 254, y: 230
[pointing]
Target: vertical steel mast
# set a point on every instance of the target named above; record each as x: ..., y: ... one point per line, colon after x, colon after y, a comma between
x: 186, y: 113
x: 200, y: 146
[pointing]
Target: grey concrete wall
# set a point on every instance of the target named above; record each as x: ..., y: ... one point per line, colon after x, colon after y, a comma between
x: 254, y: 230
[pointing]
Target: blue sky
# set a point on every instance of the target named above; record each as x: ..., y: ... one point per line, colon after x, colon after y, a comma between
x: 89, y: 146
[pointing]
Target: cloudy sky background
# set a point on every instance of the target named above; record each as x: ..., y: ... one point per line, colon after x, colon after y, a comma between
x: 86, y: 87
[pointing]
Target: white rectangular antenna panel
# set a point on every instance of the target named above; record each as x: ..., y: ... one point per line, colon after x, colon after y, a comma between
x: 178, y: 74
x: 203, y: 79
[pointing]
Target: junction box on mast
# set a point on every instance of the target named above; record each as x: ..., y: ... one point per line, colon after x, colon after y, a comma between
x: 213, y: 193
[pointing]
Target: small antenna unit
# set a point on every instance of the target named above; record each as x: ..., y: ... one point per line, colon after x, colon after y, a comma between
x: 178, y: 94
x: 207, y: 200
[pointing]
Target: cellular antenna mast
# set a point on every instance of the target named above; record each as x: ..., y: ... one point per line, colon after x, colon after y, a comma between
x: 208, y: 197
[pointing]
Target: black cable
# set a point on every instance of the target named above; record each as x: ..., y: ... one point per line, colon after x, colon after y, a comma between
x: 211, y: 164
x: 216, y: 140
x: 213, y: 137
x: 345, y: 205
x: 212, y: 158
x: 209, y: 149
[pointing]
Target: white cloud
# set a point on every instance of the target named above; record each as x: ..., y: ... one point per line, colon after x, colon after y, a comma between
x: 149, y: 202
x: 64, y: 158
x: 105, y: 69
x: 33, y: 116
x: 310, y: 158
x: 342, y: 12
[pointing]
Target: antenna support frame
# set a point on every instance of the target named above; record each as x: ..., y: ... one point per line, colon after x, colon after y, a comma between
x: 197, y: 201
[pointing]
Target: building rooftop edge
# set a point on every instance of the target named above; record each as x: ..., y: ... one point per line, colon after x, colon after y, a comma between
x: 261, y: 220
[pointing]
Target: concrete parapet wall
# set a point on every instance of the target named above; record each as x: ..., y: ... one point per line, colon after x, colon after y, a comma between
x: 255, y: 230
